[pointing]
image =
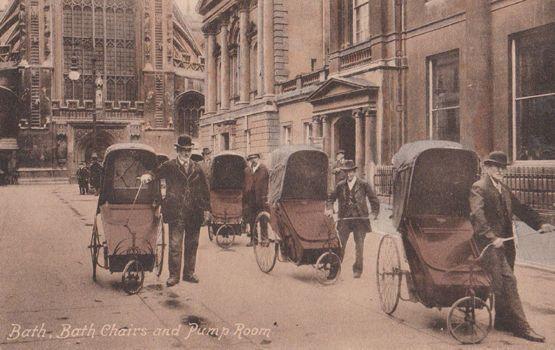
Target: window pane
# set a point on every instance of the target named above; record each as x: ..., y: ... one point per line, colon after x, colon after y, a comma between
x: 536, y: 128
x: 535, y: 63
x: 446, y: 81
x: 446, y: 125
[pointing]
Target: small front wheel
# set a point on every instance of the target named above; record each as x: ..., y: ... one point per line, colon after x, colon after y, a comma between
x: 225, y: 236
x: 133, y: 277
x: 469, y: 320
x: 265, y: 243
x: 328, y: 268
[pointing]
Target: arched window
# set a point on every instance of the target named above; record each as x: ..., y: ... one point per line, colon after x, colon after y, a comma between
x: 189, y: 109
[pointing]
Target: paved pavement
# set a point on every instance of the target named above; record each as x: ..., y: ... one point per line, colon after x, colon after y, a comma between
x: 46, y: 283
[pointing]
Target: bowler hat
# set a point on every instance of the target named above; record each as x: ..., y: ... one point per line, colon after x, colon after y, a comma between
x: 206, y: 150
x: 184, y: 141
x: 497, y: 158
x: 348, y: 165
x: 253, y: 155
x: 341, y: 151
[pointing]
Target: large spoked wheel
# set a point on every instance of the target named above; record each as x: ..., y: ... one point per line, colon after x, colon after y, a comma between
x: 94, y: 248
x: 133, y: 277
x: 469, y: 320
x: 225, y: 236
x: 160, y: 249
x: 328, y: 268
x: 265, y: 248
x: 388, y: 274
x: 210, y: 231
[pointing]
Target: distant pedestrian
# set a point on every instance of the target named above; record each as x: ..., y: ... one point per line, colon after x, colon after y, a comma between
x: 206, y: 164
x: 351, y: 194
x: 492, y: 208
x: 338, y: 174
x: 83, y: 178
x: 256, y: 194
x: 95, y: 172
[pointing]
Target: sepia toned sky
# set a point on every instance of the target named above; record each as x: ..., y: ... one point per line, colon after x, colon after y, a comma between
x: 183, y: 4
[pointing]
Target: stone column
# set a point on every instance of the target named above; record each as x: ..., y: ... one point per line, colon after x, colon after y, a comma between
x: 211, y: 83
x: 260, y: 48
x: 269, y: 71
x: 359, y: 141
x: 476, y: 101
x: 224, y: 71
x: 370, y: 137
x: 244, y: 52
x: 316, y: 127
x: 326, y: 134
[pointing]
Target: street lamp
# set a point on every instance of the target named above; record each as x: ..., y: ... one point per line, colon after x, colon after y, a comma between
x: 98, y: 83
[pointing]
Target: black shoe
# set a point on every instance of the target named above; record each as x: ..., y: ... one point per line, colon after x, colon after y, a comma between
x: 357, y: 274
x: 191, y: 279
x: 172, y: 281
x: 530, y: 335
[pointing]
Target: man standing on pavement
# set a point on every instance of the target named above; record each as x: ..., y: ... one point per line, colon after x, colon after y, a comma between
x: 95, y: 171
x: 185, y: 207
x: 206, y: 163
x: 492, y: 207
x: 83, y: 178
x: 256, y: 194
x: 338, y: 174
x: 351, y: 194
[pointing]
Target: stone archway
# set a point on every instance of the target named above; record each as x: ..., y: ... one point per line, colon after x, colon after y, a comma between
x: 344, y: 136
x: 189, y: 107
x: 85, y: 147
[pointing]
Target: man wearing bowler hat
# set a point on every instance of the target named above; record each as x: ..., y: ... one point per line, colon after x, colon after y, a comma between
x: 351, y: 194
x: 492, y: 207
x: 95, y: 173
x: 185, y: 207
x: 256, y: 194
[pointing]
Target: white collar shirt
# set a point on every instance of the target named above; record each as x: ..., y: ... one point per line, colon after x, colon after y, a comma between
x: 497, y: 185
x: 351, y: 183
x: 254, y: 168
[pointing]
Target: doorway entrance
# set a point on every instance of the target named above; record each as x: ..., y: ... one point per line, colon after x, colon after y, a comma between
x: 344, y: 135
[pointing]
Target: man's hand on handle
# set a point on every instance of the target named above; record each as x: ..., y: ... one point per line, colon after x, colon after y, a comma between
x: 497, y: 243
x: 146, y: 178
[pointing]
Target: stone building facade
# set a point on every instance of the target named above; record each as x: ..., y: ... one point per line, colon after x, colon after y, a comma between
x: 151, y: 73
x: 367, y: 76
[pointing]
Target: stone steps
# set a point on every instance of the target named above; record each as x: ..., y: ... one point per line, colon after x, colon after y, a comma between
x: 43, y: 180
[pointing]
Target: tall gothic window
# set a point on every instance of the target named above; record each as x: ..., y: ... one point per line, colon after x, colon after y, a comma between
x: 112, y: 45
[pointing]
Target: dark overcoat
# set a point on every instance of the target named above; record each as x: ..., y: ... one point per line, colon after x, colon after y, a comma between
x: 362, y: 191
x: 491, y: 213
x: 186, y: 192
x: 256, y: 187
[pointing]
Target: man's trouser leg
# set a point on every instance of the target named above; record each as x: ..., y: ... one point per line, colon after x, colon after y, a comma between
x: 192, y: 231
x: 343, y: 230
x: 175, y: 249
x: 508, y: 307
x: 359, y: 235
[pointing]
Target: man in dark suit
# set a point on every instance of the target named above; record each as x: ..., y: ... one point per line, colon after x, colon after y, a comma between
x: 351, y: 194
x: 95, y: 173
x: 492, y: 207
x: 256, y: 194
x: 206, y: 163
x: 185, y: 207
